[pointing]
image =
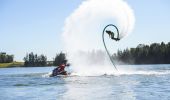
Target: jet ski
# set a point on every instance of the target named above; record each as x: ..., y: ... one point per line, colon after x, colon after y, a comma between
x: 59, y: 71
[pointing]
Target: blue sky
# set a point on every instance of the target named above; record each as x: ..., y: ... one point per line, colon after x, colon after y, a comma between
x: 36, y: 25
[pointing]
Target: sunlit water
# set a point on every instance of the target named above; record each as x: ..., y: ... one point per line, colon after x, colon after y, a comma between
x: 141, y: 82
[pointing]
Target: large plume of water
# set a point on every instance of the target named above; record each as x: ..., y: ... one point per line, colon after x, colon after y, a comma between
x: 83, y: 29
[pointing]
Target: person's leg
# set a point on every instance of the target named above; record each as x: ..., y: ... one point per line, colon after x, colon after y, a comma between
x: 112, y: 36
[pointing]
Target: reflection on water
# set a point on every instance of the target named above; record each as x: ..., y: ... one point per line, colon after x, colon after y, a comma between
x: 146, y: 82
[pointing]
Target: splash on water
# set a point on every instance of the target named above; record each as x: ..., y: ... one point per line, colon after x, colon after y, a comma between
x: 83, y: 28
x: 47, y: 74
x: 121, y: 71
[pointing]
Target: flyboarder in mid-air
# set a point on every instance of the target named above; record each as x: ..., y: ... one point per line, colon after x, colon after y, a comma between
x: 111, y: 34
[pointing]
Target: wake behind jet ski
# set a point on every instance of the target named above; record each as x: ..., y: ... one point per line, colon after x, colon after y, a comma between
x: 111, y: 35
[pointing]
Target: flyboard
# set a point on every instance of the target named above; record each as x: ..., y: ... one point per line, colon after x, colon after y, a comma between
x: 111, y: 35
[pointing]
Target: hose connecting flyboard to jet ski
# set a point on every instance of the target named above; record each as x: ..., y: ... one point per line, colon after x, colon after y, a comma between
x: 105, y: 44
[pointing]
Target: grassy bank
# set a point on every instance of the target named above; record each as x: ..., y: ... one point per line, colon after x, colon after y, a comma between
x: 13, y: 64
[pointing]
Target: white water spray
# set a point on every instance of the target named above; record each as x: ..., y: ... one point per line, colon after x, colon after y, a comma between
x: 83, y: 29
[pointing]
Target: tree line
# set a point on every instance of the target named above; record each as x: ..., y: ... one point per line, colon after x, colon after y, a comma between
x: 155, y: 53
x: 6, y: 58
x: 32, y: 60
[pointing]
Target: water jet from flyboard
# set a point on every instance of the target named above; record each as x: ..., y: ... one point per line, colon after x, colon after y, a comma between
x: 112, y: 36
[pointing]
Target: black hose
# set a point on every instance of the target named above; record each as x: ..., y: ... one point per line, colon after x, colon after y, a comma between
x: 105, y: 44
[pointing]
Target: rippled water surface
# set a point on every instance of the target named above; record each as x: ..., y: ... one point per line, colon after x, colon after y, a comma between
x: 142, y: 82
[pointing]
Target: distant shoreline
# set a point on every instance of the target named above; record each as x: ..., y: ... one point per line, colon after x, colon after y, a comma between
x: 21, y: 64
x: 12, y: 64
x: 17, y: 64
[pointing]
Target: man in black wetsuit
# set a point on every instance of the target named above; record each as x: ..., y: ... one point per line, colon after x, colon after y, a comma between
x: 111, y: 34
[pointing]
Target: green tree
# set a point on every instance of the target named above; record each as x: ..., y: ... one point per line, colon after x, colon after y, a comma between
x: 60, y: 59
x: 32, y: 60
x: 5, y: 58
x: 154, y: 53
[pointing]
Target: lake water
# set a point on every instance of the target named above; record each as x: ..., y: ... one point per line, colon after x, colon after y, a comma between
x: 142, y: 82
